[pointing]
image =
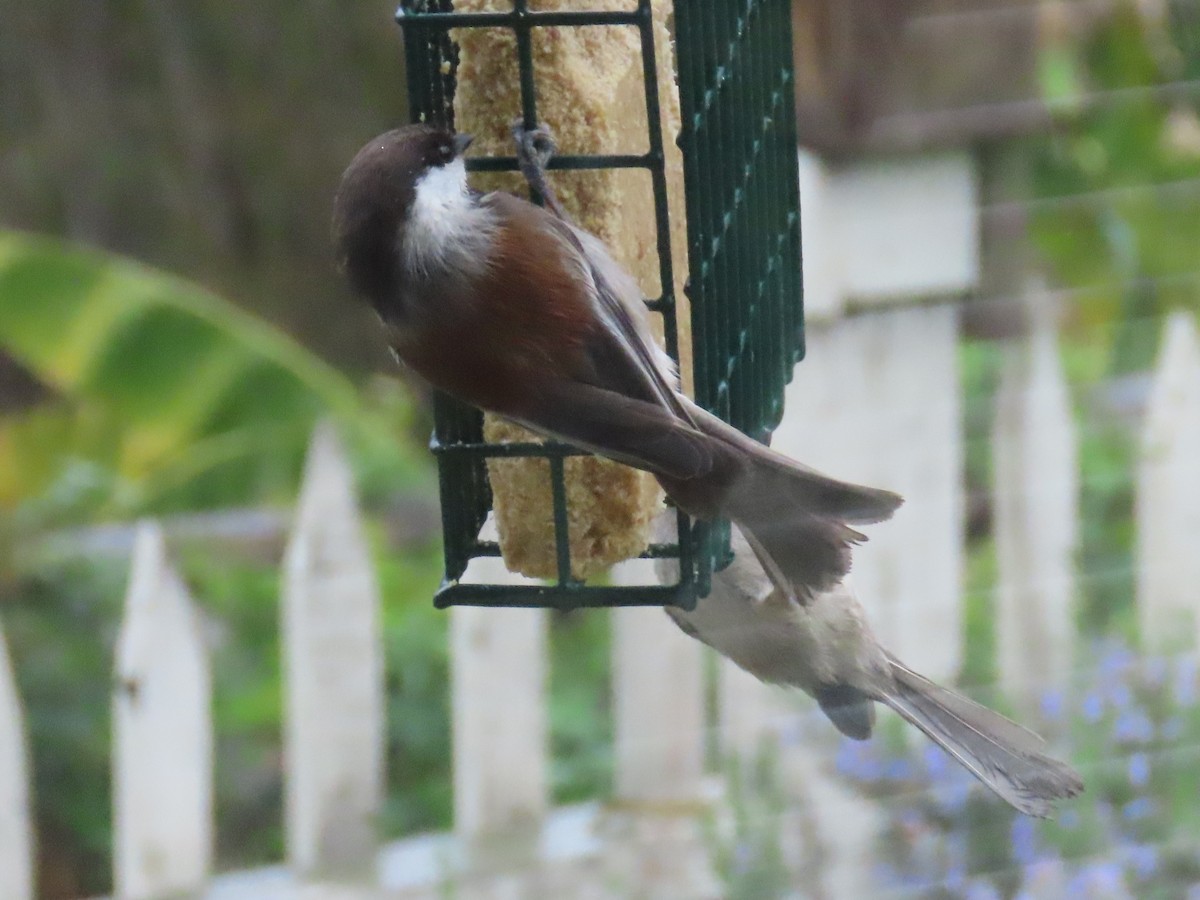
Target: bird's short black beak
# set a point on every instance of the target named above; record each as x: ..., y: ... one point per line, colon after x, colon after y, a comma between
x: 462, y: 142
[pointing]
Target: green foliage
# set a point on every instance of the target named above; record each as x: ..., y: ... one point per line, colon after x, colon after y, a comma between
x: 979, y: 365
x: 168, y: 398
x: 1118, y: 190
x: 746, y: 853
x: 1107, y: 532
x: 171, y: 397
x: 979, y: 616
x: 417, y: 666
x: 239, y: 600
x: 60, y: 625
x: 581, y: 729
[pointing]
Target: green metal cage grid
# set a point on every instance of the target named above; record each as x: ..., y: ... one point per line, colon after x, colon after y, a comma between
x: 740, y: 172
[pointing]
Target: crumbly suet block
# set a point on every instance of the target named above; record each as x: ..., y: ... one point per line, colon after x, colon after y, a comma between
x: 610, y: 509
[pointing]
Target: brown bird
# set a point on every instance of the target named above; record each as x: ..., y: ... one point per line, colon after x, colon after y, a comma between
x: 513, y: 309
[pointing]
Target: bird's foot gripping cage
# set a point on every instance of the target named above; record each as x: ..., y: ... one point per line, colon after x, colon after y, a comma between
x: 738, y: 138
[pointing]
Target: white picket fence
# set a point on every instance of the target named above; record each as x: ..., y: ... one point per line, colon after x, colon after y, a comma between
x: 867, y: 404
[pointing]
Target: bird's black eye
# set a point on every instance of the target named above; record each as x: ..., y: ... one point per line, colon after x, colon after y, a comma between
x: 445, y: 152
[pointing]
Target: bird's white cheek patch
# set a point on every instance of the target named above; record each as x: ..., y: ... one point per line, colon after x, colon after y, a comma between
x: 448, y: 232
x: 441, y: 190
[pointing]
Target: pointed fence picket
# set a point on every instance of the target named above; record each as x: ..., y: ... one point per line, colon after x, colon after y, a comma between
x: 162, y: 734
x: 499, y: 719
x: 333, y: 675
x: 16, y: 835
x: 1036, y: 498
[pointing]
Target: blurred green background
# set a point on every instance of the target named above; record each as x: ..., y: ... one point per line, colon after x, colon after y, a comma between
x: 171, y: 327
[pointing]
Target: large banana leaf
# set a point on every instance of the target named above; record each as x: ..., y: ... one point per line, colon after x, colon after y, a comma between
x: 170, y: 397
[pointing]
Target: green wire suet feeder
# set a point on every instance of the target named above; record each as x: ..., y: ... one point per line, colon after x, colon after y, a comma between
x: 738, y: 140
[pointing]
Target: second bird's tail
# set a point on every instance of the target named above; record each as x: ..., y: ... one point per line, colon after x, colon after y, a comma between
x: 1005, y: 756
x: 797, y: 520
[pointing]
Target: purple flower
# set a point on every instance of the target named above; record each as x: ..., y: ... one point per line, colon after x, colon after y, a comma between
x: 951, y: 795
x: 936, y: 760
x: 1185, y: 680
x: 1024, y: 840
x: 1115, y: 660
x: 956, y: 878
x: 1093, y: 707
x: 1139, y: 769
x: 1107, y: 875
x: 1053, y: 704
x: 981, y: 890
x: 1100, y: 877
x: 1133, y: 726
x: 847, y: 760
x: 1121, y: 695
x: 1143, y: 859
x: 1044, y: 878
x: 1136, y: 810
x: 1078, y: 885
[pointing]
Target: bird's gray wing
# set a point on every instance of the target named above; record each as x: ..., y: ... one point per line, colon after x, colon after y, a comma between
x: 623, y: 354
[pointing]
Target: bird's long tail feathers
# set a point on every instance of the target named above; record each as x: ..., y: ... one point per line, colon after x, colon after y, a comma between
x: 797, y: 520
x: 785, y: 484
x: 1003, y: 755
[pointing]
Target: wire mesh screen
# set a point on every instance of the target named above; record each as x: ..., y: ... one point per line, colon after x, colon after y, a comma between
x: 743, y: 206
x: 739, y: 147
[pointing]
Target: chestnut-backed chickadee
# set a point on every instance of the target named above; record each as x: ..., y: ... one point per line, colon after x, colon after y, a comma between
x: 827, y: 649
x: 514, y: 309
